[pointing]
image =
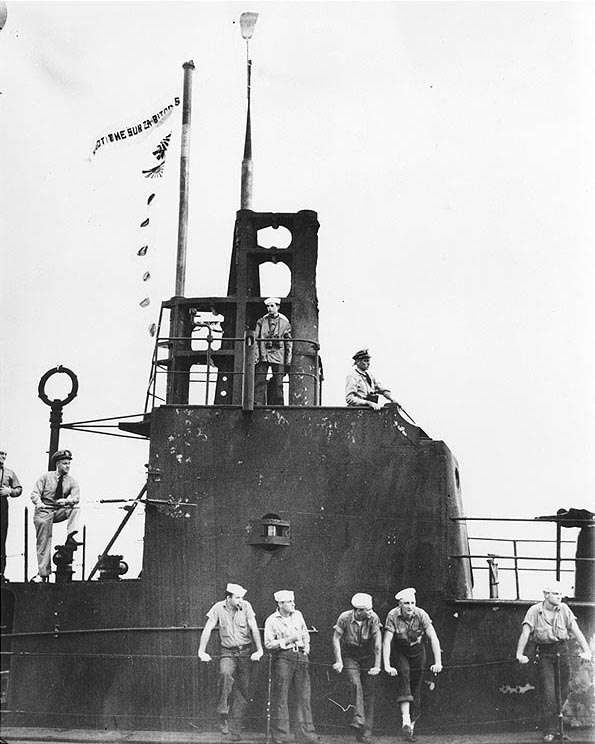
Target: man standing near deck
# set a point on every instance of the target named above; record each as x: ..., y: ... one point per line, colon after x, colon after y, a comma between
x: 287, y: 637
x: 239, y: 634
x: 56, y: 497
x: 273, y: 349
x: 362, y: 388
x: 549, y: 624
x: 9, y: 488
x: 357, y: 646
x: 404, y: 631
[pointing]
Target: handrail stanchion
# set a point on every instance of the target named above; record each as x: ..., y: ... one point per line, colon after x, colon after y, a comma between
x: 270, y: 685
x: 26, y: 548
x: 84, y: 562
x: 516, y: 569
x: 558, y: 548
x: 248, y: 372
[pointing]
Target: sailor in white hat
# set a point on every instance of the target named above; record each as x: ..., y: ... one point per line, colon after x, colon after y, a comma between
x: 362, y: 388
x: 550, y: 624
x: 357, y: 647
x: 286, y: 636
x: 404, y: 631
x: 56, y: 496
x: 239, y: 635
x: 274, y: 349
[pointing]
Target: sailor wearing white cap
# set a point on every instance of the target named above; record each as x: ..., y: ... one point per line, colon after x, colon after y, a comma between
x: 357, y: 646
x: 238, y: 633
x: 404, y: 630
x: 286, y: 636
x: 362, y: 388
x: 549, y: 624
x: 273, y: 349
x: 56, y: 496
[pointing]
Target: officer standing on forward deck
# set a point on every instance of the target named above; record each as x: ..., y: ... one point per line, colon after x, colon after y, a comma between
x: 239, y: 635
x: 9, y: 488
x: 357, y: 646
x: 362, y: 388
x: 56, y: 497
x: 286, y: 635
x: 549, y: 624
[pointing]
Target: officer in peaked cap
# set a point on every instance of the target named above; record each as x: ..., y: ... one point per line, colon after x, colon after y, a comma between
x: 61, y: 455
x: 362, y: 388
x: 56, y: 496
x: 240, y: 647
x: 357, y: 647
x: 286, y: 637
x: 404, y: 631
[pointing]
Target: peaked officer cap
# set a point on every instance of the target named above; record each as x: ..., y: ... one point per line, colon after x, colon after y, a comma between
x: 284, y: 595
x: 361, y: 354
x: 236, y: 589
x: 61, y: 455
x: 361, y: 601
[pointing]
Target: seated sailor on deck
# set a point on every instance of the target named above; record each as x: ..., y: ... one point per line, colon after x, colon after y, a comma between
x: 362, y: 388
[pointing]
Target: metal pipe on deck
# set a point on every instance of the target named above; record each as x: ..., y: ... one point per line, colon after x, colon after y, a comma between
x: 184, y: 180
x: 248, y: 376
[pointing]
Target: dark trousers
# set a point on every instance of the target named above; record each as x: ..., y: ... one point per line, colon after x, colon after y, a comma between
x: 410, y: 663
x: 552, y: 693
x: 4, y: 528
x: 364, y: 687
x: 235, y: 681
x: 291, y: 667
x: 271, y: 393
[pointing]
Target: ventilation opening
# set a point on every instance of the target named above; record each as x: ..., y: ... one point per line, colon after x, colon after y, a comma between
x: 270, y: 533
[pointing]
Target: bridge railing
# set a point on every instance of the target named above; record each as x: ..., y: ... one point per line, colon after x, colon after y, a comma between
x: 519, y: 555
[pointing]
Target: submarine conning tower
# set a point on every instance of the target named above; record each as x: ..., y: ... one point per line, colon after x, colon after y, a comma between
x: 325, y: 500
x: 242, y: 307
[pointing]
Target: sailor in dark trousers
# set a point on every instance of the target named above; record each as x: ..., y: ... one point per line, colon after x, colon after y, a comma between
x: 357, y: 647
x: 286, y: 636
x: 241, y: 646
x: 404, y: 630
x: 549, y: 624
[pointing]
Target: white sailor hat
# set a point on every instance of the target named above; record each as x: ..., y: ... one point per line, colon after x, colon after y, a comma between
x: 361, y: 601
x: 276, y: 300
x: 406, y: 595
x: 553, y: 586
x: 236, y: 590
x: 284, y: 595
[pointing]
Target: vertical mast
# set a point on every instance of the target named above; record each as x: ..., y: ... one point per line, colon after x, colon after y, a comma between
x: 184, y: 180
x: 247, y: 23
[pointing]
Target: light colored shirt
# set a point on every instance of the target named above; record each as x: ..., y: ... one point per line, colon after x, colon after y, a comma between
x: 45, y: 489
x: 548, y: 629
x: 234, y: 628
x: 360, y: 384
x: 410, y: 630
x: 277, y: 628
x: 273, y: 340
x: 8, y: 478
x: 354, y: 632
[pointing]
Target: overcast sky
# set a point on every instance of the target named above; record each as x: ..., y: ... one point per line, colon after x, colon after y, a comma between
x: 448, y: 150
